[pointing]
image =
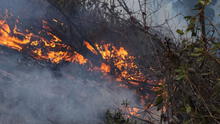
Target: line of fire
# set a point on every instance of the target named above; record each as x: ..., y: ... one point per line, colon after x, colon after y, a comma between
x: 55, y: 42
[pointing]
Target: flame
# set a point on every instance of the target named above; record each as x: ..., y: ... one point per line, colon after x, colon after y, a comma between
x: 122, y: 61
x: 90, y: 47
x: 131, y: 111
x: 48, y: 47
x: 53, y: 50
x: 12, y: 41
x: 41, y: 48
x: 134, y: 111
x: 105, y: 68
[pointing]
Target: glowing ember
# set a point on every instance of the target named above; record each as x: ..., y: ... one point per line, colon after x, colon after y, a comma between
x: 133, y: 111
x: 105, y: 68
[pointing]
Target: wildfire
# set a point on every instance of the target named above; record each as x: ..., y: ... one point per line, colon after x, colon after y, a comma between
x: 122, y: 61
x: 48, y: 47
x: 40, y: 47
x: 53, y: 50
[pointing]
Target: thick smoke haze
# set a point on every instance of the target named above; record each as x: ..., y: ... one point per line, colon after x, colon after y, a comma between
x: 31, y: 94
x: 35, y: 96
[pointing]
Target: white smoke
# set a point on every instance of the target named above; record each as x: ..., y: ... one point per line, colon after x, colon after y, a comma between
x: 35, y: 96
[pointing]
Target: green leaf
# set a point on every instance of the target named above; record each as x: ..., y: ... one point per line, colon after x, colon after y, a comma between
x: 208, y: 2
x: 198, y: 6
x: 190, y: 27
x: 205, y: 2
x: 159, y: 100
x: 202, y: 2
x: 188, y: 108
x: 180, y: 32
x: 188, y: 17
x: 195, y: 54
x: 178, y: 70
x: 200, y: 59
x: 198, y: 49
x: 180, y: 77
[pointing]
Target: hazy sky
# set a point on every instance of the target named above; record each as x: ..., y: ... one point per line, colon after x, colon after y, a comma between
x: 171, y: 8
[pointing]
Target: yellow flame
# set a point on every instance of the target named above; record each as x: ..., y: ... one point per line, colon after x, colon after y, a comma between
x: 90, y: 47
x: 105, y: 68
x: 41, y: 48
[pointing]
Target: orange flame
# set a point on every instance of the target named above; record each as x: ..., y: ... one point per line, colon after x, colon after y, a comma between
x: 53, y: 49
x: 105, y: 68
x: 121, y: 60
x: 12, y: 41
x: 90, y: 47
x: 41, y: 47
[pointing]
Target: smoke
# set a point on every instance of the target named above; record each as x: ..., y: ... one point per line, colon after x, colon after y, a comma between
x: 26, y: 9
x: 30, y: 95
x: 172, y: 12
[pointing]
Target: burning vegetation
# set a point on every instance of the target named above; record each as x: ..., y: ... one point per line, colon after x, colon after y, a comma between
x: 45, y: 46
x: 48, y: 47
x: 101, y: 52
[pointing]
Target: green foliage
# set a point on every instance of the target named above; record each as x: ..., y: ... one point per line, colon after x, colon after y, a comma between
x: 181, y: 73
x: 194, y: 89
x: 180, y: 32
x: 205, y: 2
x: 159, y: 100
x: 188, y: 108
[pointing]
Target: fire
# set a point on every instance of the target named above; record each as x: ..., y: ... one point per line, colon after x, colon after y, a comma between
x: 122, y: 53
x: 131, y: 111
x: 46, y: 46
x: 40, y: 48
x: 90, y: 47
x: 105, y: 68
x: 122, y: 61
x: 134, y: 111
x: 77, y: 58
x: 12, y: 41
x: 52, y: 49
